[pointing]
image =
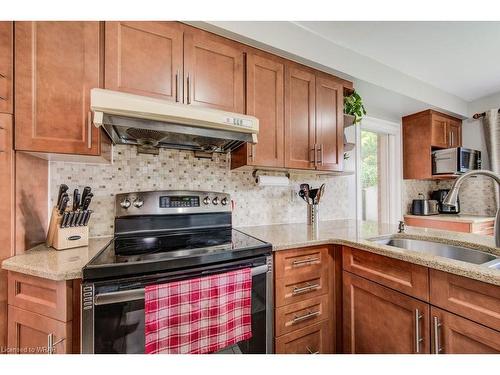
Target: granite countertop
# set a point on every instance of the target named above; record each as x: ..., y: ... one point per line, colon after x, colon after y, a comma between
x: 67, y: 264
x: 471, y: 219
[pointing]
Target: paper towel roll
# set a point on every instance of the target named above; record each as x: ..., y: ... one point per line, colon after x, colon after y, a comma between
x: 272, y: 181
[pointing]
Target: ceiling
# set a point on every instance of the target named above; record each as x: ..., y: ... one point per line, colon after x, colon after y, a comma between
x: 461, y: 58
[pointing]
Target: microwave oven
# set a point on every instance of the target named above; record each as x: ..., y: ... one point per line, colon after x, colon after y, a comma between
x: 456, y: 160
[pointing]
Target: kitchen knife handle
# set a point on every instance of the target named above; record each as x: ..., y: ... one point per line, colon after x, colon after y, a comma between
x: 87, y: 217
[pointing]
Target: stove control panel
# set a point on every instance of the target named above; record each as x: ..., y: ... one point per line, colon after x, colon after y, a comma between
x: 171, y: 202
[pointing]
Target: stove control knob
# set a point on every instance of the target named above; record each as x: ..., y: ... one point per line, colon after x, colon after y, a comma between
x: 215, y: 201
x: 223, y: 201
x: 125, y: 203
x: 206, y: 200
x: 138, y: 202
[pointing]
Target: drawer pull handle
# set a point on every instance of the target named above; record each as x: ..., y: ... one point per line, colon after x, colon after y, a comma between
x: 305, y: 289
x: 437, y: 346
x: 304, y: 261
x: 311, y: 351
x: 309, y: 315
x: 418, y: 339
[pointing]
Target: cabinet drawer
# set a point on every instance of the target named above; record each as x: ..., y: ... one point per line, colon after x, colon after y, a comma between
x: 46, y: 297
x: 301, y: 314
x: 309, y: 340
x: 298, y: 288
x: 487, y: 228
x: 28, y: 333
x: 301, y: 261
x: 403, y: 276
x: 472, y: 299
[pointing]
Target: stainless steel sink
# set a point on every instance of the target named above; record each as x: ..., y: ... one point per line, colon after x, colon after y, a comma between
x: 447, y: 251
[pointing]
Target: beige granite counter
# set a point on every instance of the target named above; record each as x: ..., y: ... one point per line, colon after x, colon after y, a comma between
x: 43, y: 261
x: 468, y: 219
x: 67, y: 264
x: 352, y: 233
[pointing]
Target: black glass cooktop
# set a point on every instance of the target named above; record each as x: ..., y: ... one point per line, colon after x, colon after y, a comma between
x: 140, y: 254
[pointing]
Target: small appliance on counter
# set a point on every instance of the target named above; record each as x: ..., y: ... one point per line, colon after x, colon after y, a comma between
x: 456, y: 160
x: 423, y: 206
x: 68, y: 226
x: 312, y: 197
x: 439, y: 196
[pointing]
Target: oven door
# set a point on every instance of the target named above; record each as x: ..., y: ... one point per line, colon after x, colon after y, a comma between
x: 115, y: 321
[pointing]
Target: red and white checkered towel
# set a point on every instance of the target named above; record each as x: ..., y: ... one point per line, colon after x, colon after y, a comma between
x: 200, y: 315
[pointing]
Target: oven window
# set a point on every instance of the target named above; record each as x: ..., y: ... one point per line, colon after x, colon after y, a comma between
x: 119, y: 327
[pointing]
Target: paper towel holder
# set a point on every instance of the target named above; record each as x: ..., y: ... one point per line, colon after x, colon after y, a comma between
x: 255, y: 172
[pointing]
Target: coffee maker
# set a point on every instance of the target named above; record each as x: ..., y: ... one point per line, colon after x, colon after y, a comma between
x: 439, y: 195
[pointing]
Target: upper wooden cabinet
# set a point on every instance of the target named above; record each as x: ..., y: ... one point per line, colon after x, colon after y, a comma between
x: 6, y: 66
x: 424, y: 132
x: 145, y: 58
x: 265, y: 100
x: 56, y: 66
x: 214, y: 71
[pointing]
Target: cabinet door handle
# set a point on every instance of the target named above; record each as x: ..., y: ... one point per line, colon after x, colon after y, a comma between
x: 188, y: 89
x: 320, y: 149
x: 311, y: 351
x: 309, y: 315
x: 437, y: 346
x: 252, y: 152
x: 418, y: 339
x: 3, y: 142
x: 304, y: 261
x: 51, y: 345
x: 313, y: 150
x: 177, y: 88
x: 308, y: 288
x: 89, y: 129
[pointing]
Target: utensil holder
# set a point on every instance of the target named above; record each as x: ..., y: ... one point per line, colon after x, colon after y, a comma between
x: 313, y: 214
x: 65, y: 238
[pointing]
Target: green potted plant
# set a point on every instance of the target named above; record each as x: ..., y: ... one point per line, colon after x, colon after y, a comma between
x: 354, y: 108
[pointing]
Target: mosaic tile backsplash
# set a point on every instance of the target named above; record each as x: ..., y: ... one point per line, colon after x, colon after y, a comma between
x: 173, y: 169
x: 477, y: 195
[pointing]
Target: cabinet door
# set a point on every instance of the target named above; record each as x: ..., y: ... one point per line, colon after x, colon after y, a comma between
x: 265, y: 100
x: 213, y: 72
x: 6, y: 65
x: 452, y: 334
x: 56, y: 66
x: 300, y: 118
x: 380, y: 320
x: 29, y: 332
x: 145, y: 58
x: 6, y: 214
x: 439, y: 131
x: 329, y: 124
x: 455, y: 133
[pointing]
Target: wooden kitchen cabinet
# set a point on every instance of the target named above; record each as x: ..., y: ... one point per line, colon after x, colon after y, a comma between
x: 56, y: 66
x: 40, y: 307
x: 6, y: 66
x: 6, y: 213
x: 452, y: 334
x: 213, y: 71
x: 265, y: 100
x: 145, y: 58
x: 382, y: 321
x: 300, y: 117
x: 424, y: 132
x: 485, y: 228
x: 329, y: 123
x: 309, y: 340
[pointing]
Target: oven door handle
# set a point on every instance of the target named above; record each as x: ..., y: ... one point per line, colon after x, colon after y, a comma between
x: 138, y: 294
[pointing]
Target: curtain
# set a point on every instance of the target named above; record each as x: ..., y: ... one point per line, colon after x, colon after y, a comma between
x: 491, y: 123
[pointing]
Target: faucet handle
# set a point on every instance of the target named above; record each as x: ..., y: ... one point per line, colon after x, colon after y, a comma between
x: 401, y: 226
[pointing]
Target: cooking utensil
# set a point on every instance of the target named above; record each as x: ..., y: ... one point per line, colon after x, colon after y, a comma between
x: 81, y: 218
x: 302, y: 195
x: 86, y: 191
x: 63, y: 203
x: 312, y: 195
x: 87, y: 217
x: 76, y: 199
x: 321, y: 190
x: 305, y: 189
x: 63, y: 188
x: 64, y: 219
x: 86, y: 202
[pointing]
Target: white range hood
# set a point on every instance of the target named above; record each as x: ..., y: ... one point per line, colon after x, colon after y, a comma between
x: 151, y: 123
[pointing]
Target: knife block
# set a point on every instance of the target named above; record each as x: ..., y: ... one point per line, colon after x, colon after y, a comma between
x: 65, y: 238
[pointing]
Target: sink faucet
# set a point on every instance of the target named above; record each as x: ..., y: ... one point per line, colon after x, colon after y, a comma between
x: 452, y: 196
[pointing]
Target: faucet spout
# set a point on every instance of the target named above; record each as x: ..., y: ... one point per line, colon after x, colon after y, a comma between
x: 452, y: 196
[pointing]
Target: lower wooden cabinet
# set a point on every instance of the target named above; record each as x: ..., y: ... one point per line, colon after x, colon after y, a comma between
x: 452, y: 334
x: 313, y: 339
x: 380, y: 320
x: 31, y: 333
